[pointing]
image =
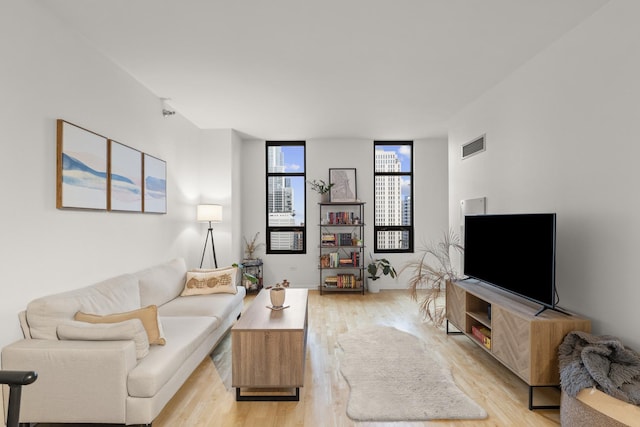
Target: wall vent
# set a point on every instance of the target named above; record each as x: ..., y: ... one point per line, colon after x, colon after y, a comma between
x: 474, y: 147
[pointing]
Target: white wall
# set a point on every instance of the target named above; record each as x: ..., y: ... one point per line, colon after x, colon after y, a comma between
x: 49, y: 73
x: 220, y: 179
x: 431, y: 209
x: 562, y: 137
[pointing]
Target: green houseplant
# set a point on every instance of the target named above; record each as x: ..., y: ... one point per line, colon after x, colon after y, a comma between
x: 321, y: 187
x: 430, y: 273
x: 380, y: 266
x: 376, y: 268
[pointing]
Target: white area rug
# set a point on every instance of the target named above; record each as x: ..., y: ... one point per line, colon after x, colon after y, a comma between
x: 393, y: 378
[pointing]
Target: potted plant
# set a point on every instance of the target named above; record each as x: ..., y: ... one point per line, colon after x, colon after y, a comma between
x: 322, y: 188
x: 431, y: 271
x: 376, y: 268
x: 251, y: 246
x: 277, y: 294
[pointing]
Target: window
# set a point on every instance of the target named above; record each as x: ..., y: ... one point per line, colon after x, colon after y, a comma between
x: 393, y: 183
x: 286, y: 194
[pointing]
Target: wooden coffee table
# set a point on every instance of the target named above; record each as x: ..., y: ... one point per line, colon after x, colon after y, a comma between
x: 268, y: 347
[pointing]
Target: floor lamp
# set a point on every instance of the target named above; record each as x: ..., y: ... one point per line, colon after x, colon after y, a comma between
x: 209, y: 213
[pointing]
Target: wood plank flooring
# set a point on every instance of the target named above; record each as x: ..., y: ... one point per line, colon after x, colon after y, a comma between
x: 207, y: 399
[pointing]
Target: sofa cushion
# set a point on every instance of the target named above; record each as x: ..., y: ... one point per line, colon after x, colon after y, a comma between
x: 122, y: 331
x: 218, y: 305
x: 220, y: 280
x: 184, y: 335
x: 148, y: 316
x: 161, y: 283
x: 113, y: 295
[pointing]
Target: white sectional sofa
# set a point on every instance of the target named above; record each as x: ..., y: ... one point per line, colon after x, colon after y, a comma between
x: 102, y: 380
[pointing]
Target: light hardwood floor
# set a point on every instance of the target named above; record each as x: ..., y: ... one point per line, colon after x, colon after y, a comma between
x: 207, y: 399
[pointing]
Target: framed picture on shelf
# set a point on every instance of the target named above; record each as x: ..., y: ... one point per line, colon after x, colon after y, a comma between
x: 344, y: 184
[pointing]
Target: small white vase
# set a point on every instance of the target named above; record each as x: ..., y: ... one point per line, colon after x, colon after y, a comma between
x: 325, y: 197
x: 372, y: 285
x: 277, y: 297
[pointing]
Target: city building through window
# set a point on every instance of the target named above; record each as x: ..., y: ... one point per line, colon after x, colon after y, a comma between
x: 286, y: 194
x: 393, y: 190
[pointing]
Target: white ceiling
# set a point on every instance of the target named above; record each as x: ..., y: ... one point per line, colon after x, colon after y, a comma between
x: 302, y: 69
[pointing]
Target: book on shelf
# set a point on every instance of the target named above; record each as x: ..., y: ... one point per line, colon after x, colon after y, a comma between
x: 336, y: 260
x: 482, y: 334
x: 340, y: 218
x: 331, y: 281
x: 337, y: 239
x: 328, y: 239
x: 342, y: 281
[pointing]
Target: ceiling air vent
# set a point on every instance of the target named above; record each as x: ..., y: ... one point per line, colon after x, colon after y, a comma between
x: 474, y: 147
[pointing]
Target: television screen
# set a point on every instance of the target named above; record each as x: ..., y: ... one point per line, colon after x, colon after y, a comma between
x: 514, y: 252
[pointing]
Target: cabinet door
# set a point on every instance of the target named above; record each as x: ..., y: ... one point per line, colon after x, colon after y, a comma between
x: 511, y: 341
x: 455, y: 300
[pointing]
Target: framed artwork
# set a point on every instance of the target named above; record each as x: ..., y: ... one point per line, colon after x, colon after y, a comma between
x: 81, y: 178
x: 155, y: 185
x: 125, y: 178
x: 344, y: 185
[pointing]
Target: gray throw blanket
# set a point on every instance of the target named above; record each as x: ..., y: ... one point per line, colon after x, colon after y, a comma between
x: 599, y: 361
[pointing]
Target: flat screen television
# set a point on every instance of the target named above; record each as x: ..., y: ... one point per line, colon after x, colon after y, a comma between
x: 514, y: 252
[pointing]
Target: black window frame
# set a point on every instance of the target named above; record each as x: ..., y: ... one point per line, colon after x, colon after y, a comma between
x: 297, y: 228
x: 408, y: 228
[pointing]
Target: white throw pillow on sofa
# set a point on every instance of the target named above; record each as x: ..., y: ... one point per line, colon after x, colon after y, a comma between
x: 128, y: 330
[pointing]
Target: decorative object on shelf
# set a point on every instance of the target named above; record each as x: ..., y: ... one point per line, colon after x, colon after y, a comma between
x: 277, y: 294
x: 431, y: 272
x: 322, y: 188
x: 251, y: 246
x: 343, y: 185
x: 209, y: 213
x: 155, y: 185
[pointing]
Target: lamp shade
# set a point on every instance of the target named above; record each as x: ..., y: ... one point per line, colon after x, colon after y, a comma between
x: 211, y: 213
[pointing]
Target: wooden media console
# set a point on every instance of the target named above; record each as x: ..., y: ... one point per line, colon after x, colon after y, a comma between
x: 522, y: 341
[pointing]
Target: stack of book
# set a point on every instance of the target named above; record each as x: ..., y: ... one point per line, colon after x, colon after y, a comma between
x: 328, y: 239
x: 482, y: 334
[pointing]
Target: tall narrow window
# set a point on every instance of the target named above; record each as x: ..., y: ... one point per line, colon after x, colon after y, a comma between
x: 393, y: 183
x: 286, y: 217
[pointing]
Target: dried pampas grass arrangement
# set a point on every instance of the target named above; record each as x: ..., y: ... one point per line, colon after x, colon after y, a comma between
x: 430, y: 272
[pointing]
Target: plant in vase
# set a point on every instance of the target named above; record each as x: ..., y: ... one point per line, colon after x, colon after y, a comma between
x: 251, y: 246
x: 431, y: 272
x: 376, y: 269
x: 277, y: 293
x: 321, y: 187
